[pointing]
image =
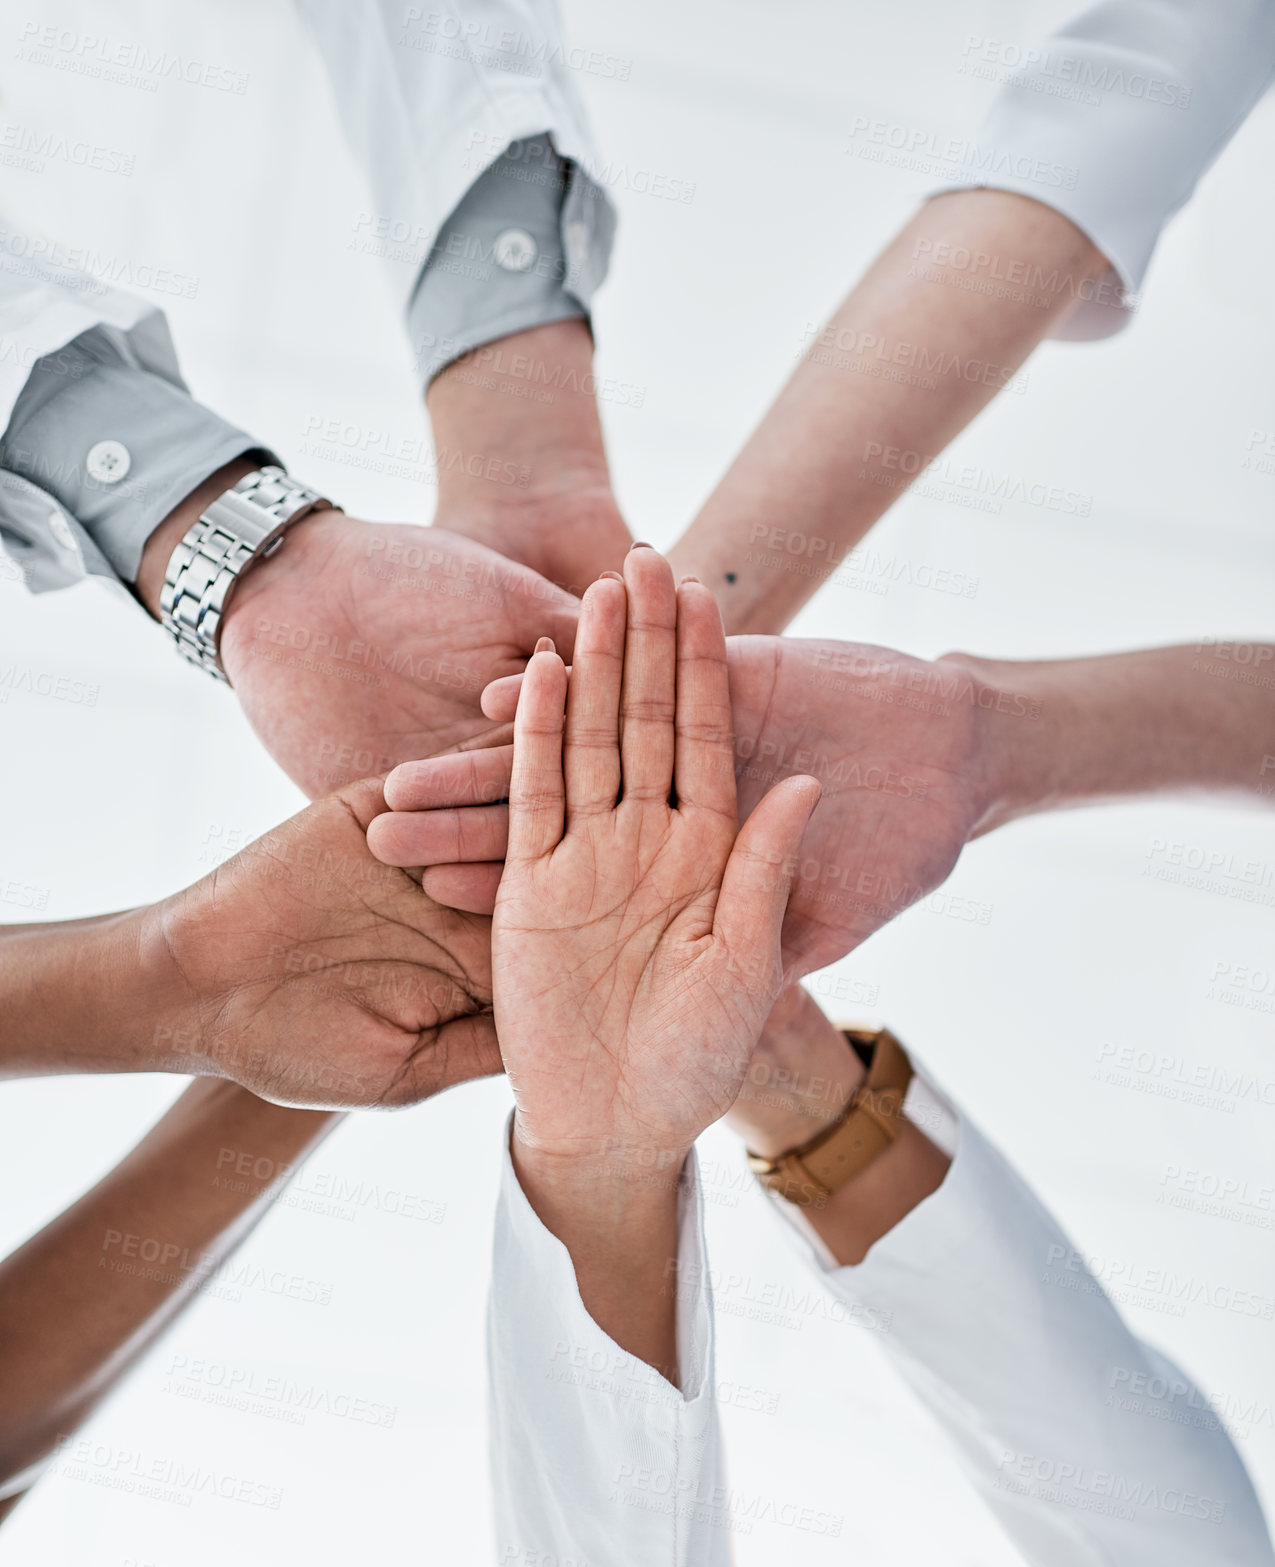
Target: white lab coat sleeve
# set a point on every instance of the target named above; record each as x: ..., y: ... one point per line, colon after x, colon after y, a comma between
x: 1089, y: 1446
x: 431, y: 95
x: 597, y: 1461
x: 1114, y: 119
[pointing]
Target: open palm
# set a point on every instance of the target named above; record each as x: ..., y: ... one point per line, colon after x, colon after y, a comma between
x: 636, y: 930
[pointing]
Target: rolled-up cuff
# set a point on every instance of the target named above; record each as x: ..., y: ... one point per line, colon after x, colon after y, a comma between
x: 526, y: 246
x: 117, y: 446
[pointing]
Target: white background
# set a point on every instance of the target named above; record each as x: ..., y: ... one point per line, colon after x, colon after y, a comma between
x: 706, y: 308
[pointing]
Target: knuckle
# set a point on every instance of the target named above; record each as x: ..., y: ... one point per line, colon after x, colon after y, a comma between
x: 705, y: 732
x: 584, y: 737
x: 648, y: 710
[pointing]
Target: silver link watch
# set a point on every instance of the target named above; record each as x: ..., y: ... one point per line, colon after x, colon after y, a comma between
x: 241, y: 526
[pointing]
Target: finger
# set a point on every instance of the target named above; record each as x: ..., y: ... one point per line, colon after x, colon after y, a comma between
x: 469, y: 888
x: 591, y: 758
x: 533, y: 606
x: 441, y: 837
x: 650, y: 674
x: 539, y: 608
x: 473, y: 778
x: 704, y: 762
x: 497, y: 735
x: 502, y: 697
x: 536, y: 794
x: 758, y: 879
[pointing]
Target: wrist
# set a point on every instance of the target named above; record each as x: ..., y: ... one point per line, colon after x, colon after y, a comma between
x: 306, y: 552
x: 227, y: 1113
x: 754, y: 598
x: 799, y: 1081
x: 1023, y: 738
x: 606, y: 1176
x: 115, y: 970
x: 162, y: 936
x: 160, y: 545
x: 784, y: 1107
x: 801, y: 1051
x: 866, y: 1209
x: 496, y: 445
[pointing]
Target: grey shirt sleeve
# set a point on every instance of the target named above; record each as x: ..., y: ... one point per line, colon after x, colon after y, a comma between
x: 500, y: 263
x: 117, y: 446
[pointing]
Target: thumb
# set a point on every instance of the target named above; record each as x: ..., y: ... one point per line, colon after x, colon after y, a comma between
x: 500, y: 697
x: 539, y: 608
x: 500, y: 700
x: 457, y: 1052
x: 758, y: 878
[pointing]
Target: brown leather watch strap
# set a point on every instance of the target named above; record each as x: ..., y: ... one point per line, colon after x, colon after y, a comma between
x: 809, y: 1175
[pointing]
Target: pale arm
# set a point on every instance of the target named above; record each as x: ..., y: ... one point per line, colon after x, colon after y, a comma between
x: 817, y: 462
x: 559, y: 516
x: 1160, y: 721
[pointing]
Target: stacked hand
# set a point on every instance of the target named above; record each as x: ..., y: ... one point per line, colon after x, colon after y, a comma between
x: 896, y: 743
x: 364, y: 644
x: 314, y: 975
x: 636, y: 931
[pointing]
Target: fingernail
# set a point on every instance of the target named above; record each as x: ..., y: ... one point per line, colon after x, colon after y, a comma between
x: 546, y: 645
x: 610, y: 576
x: 640, y: 544
x: 690, y: 579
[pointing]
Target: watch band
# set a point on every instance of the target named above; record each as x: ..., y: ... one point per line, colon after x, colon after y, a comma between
x: 808, y: 1175
x: 243, y: 525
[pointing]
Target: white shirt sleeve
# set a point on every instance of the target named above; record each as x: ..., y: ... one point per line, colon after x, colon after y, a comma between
x: 597, y: 1461
x: 1089, y: 1446
x: 49, y: 296
x: 430, y: 96
x: 1114, y: 119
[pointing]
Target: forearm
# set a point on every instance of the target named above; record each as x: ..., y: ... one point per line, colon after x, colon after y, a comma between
x: 903, y: 366
x: 525, y: 476
x: 480, y: 410
x: 89, y: 995
x: 1166, y: 720
x: 76, y: 1310
x: 617, y: 1215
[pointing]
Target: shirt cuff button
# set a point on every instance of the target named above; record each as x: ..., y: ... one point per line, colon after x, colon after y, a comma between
x: 108, y: 462
x: 514, y: 250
